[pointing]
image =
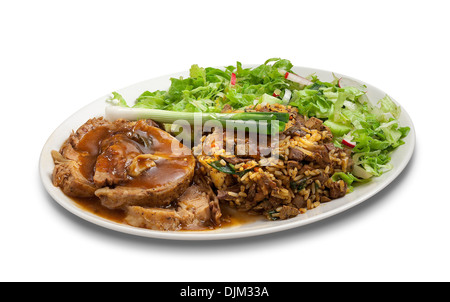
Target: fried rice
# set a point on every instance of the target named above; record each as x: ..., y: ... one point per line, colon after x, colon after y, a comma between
x: 290, y: 177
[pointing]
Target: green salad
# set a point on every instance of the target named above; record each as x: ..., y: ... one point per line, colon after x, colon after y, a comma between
x: 372, y: 131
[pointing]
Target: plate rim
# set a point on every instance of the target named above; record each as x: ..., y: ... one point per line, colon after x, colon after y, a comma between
x: 216, y: 234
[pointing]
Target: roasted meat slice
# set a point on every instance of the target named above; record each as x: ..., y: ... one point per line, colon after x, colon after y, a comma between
x: 153, y: 218
x: 67, y: 175
x: 314, y: 123
x: 123, y: 163
x: 116, y: 155
x: 195, y: 209
x: 73, y: 162
x: 157, y: 189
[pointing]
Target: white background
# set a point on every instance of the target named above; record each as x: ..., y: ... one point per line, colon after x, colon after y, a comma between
x: 58, y: 56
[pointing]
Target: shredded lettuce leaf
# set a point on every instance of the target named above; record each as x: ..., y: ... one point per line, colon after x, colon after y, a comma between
x: 209, y: 89
x: 345, y: 110
x: 348, y: 113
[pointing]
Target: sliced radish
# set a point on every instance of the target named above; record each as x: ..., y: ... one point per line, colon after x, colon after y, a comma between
x: 346, y: 82
x: 287, y: 95
x: 295, y: 77
x: 348, y: 143
x: 276, y: 93
x: 233, y: 79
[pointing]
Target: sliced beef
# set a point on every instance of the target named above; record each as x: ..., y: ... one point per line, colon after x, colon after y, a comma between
x: 255, y: 194
x: 223, y: 195
x: 330, y: 146
x: 314, y: 123
x: 235, y: 160
x: 294, y: 131
x: 265, y: 184
x: 337, y: 189
x: 195, y: 210
x: 296, y: 128
x: 259, y: 196
x: 296, y: 154
x: 287, y: 212
x: 321, y: 156
x: 299, y: 201
x: 251, y: 194
x: 298, y: 118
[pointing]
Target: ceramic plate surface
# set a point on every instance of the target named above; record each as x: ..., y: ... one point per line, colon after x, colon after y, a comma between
x: 400, y: 159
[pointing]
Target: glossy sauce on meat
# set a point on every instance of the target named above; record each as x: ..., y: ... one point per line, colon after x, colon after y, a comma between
x: 137, y: 174
x: 111, y: 151
x: 89, y: 148
x: 230, y: 217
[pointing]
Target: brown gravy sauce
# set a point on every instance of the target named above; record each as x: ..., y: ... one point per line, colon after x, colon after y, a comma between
x: 230, y: 217
x: 140, y: 139
x: 132, y: 141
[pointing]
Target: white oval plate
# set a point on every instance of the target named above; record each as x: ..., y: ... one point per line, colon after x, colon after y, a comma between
x: 400, y: 159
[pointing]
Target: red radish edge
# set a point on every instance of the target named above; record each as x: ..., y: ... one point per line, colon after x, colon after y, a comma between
x: 233, y: 79
x: 348, y: 143
x: 296, y: 78
x: 275, y: 95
